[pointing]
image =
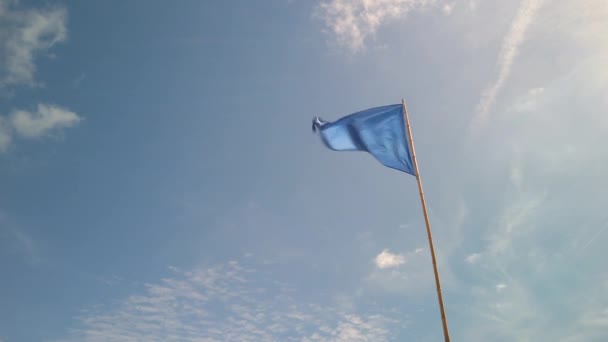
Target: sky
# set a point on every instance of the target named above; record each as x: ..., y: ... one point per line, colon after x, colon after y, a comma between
x: 159, y: 180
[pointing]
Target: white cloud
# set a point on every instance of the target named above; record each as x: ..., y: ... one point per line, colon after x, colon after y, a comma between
x: 473, y: 258
x: 387, y: 259
x: 508, y: 52
x: 500, y: 287
x: 409, y: 274
x: 226, y: 302
x: 353, y: 21
x: 47, y: 119
x: 25, y: 35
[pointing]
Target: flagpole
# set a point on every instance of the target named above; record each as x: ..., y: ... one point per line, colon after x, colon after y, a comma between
x: 428, y: 226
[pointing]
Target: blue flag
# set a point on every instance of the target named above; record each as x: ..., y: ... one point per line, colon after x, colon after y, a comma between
x: 379, y: 131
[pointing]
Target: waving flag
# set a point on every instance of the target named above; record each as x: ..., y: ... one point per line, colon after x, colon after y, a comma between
x: 379, y: 131
x: 385, y: 133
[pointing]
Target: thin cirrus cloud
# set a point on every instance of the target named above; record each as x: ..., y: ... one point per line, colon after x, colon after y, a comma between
x: 14, y: 239
x: 510, y: 46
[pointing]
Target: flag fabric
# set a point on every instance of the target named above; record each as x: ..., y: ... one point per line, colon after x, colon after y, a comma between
x: 379, y: 131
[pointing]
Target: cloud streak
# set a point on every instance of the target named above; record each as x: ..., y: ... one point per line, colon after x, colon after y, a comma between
x: 510, y: 46
x: 598, y: 233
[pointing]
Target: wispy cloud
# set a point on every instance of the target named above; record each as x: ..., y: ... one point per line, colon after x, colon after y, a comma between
x: 352, y: 22
x: 510, y: 46
x: 537, y: 281
x: 25, y: 35
x: 17, y: 241
x: 26, y: 244
x: 227, y: 302
x: 516, y: 222
x: 78, y: 80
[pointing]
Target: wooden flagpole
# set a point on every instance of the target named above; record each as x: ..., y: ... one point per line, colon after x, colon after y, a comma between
x: 428, y: 226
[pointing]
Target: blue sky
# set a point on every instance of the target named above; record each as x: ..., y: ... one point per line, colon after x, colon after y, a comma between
x: 159, y: 180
